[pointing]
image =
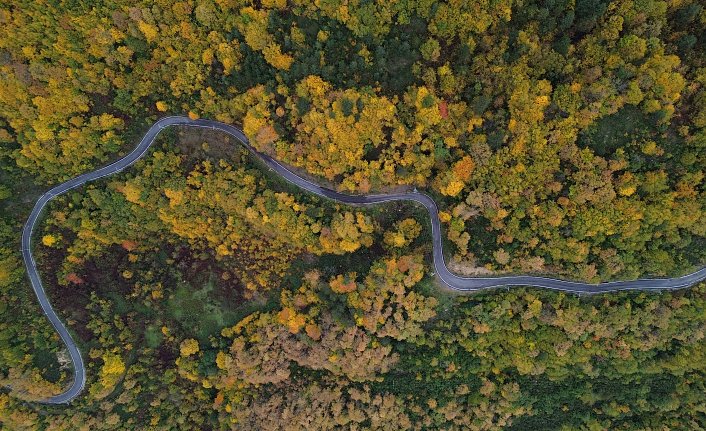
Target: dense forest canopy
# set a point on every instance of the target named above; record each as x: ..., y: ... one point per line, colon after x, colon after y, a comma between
x: 563, y: 137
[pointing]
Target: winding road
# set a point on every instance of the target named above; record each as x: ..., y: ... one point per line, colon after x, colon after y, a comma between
x: 451, y: 280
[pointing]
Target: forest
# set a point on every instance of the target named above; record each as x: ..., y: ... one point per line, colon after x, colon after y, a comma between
x: 564, y: 138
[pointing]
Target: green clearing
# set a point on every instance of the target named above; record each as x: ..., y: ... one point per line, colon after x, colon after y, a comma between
x: 153, y: 336
x: 619, y: 130
x: 196, y: 310
x: 203, y: 311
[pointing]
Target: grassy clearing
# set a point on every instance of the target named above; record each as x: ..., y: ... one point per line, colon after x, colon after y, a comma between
x: 615, y: 131
x: 202, y: 310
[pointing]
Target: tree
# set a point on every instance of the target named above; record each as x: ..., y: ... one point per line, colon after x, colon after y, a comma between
x: 189, y: 347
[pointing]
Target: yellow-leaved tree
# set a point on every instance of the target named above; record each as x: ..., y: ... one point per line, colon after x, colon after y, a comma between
x: 188, y: 347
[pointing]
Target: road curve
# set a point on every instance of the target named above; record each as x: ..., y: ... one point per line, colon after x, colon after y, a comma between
x: 451, y: 280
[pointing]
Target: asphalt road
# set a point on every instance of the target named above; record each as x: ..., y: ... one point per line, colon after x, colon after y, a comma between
x: 451, y: 280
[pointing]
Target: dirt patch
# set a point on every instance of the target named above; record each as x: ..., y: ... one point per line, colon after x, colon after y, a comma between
x: 468, y: 269
x: 202, y: 144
